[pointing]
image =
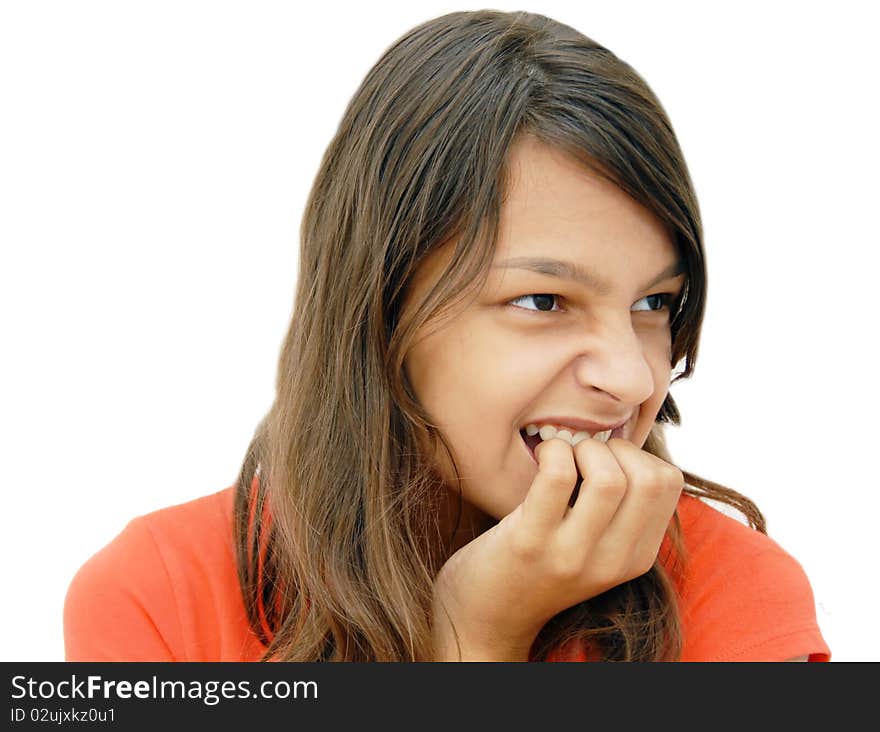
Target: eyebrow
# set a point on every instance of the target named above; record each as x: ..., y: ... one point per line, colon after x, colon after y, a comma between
x: 578, y: 273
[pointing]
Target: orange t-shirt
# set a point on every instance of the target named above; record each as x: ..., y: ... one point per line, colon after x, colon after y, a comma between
x: 166, y: 589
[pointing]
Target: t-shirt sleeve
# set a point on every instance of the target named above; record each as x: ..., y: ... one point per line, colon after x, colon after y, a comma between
x: 756, y: 606
x: 120, y: 605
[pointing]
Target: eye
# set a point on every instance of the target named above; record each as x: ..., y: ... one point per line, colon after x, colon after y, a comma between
x: 543, y: 302
x: 660, y: 299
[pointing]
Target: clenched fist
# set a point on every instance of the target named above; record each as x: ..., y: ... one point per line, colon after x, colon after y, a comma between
x: 499, y: 590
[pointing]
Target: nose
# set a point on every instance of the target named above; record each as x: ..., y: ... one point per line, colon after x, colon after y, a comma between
x: 614, y: 362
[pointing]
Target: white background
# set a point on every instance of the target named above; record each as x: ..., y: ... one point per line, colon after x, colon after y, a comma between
x: 154, y: 161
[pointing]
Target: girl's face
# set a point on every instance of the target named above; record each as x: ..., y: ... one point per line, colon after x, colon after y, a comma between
x: 571, y: 324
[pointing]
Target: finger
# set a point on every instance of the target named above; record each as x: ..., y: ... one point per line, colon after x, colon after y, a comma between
x: 653, y: 489
x: 601, y: 493
x: 547, y: 500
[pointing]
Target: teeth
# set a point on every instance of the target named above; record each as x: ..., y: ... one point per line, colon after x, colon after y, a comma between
x: 579, y: 437
x: 548, y: 432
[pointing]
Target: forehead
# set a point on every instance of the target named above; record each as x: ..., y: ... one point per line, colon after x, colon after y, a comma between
x: 556, y: 204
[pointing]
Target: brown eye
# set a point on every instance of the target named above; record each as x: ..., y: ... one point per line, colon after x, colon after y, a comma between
x: 543, y: 302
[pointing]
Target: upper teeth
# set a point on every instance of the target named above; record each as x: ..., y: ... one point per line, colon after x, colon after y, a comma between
x: 548, y: 432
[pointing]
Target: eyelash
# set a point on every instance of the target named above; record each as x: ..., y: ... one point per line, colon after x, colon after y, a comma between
x: 666, y: 299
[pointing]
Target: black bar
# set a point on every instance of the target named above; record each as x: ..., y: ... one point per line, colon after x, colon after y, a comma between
x: 317, y: 695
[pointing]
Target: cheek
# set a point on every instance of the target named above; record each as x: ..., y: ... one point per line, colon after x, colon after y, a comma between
x: 657, y: 349
x: 450, y: 384
x: 469, y: 386
x: 461, y: 373
x: 661, y: 373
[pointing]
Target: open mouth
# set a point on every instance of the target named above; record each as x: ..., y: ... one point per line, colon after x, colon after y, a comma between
x: 532, y: 441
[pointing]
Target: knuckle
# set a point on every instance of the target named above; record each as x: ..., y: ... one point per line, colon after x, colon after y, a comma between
x: 675, y: 476
x: 643, y: 564
x: 525, y: 547
x: 608, y: 566
x: 570, y: 559
x: 654, y: 489
x: 638, y: 564
x: 613, y: 574
x: 660, y: 483
x: 607, y: 485
x: 625, y: 566
x: 628, y: 571
x: 667, y: 472
x: 561, y: 474
x: 566, y: 568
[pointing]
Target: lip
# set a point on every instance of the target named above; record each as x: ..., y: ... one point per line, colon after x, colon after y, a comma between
x: 580, y: 425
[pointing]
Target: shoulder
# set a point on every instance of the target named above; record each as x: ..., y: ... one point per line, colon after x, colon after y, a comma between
x: 712, y: 525
x: 718, y: 544
x: 174, y: 537
x: 189, y: 527
x: 131, y: 600
x: 743, y: 597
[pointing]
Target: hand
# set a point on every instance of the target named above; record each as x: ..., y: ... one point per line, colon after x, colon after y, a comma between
x: 500, y: 589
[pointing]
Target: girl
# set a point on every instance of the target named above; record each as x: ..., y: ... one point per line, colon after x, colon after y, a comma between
x: 501, y: 262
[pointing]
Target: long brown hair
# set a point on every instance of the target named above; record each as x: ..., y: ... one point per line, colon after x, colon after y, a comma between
x: 336, y: 511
